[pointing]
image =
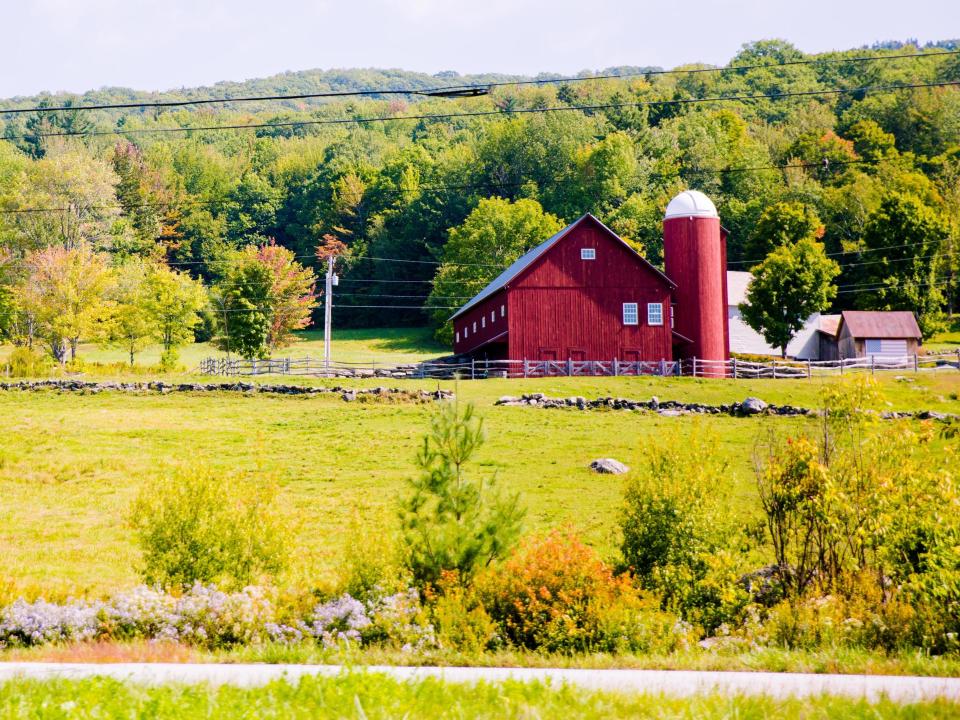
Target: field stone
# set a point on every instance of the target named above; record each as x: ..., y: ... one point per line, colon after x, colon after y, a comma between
x: 752, y: 406
x: 609, y: 466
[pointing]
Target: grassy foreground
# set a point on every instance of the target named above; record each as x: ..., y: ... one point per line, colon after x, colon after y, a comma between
x: 70, y: 465
x: 366, y: 696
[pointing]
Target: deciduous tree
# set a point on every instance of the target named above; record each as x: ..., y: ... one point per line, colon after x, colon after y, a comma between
x: 66, y: 293
x: 792, y: 283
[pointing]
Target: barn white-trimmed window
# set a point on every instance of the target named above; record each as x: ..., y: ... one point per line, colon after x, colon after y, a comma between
x: 493, y: 316
x: 457, y: 336
x: 474, y: 325
x: 630, y: 314
x: 503, y: 311
x: 483, y: 321
x: 466, y: 332
x: 654, y: 313
x: 588, y: 253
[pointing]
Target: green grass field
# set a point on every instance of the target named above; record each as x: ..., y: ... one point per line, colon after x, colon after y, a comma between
x: 396, y: 345
x: 365, y: 696
x: 71, y: 464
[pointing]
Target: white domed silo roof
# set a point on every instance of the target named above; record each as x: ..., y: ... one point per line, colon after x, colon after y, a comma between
x: 691, y: 203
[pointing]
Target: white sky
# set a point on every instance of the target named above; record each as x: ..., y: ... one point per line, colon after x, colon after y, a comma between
x: 78, y: 45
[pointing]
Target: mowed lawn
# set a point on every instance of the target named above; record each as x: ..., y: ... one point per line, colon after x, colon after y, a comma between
x: 71, y: 464
x: 365, y: 345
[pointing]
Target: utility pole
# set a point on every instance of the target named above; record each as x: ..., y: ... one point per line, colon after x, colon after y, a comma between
x: 332, y: 282
x: 328, y: 314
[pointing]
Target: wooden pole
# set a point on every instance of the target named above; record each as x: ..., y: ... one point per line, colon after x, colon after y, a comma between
x: 328, y: 314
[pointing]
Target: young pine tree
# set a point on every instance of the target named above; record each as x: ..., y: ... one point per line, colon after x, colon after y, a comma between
x: 449, y: 521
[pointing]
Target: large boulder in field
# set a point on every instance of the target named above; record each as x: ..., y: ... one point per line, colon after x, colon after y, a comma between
x: 608, y: 466
x: 752, y: 406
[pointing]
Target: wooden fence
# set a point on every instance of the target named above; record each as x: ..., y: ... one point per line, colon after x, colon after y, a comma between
x: 480, y: 369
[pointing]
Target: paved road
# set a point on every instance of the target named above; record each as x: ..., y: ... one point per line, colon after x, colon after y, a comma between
x: 670, y: 682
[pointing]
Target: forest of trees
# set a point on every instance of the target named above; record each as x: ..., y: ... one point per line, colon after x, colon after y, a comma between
x: 817, y: 153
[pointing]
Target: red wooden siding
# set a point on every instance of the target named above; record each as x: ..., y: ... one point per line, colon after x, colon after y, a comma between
x: 695, y: 258
x: 563, y: 307
x: 573, y: 308
x: 491, y: 327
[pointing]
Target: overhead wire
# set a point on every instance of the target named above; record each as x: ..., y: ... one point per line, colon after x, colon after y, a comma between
x: 487, y: 113
x: 474, y: 88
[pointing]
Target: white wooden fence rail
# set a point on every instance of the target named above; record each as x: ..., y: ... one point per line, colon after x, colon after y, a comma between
x: 479, y: 369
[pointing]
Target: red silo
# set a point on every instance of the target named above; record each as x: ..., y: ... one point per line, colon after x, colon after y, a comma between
x: 695, y: 258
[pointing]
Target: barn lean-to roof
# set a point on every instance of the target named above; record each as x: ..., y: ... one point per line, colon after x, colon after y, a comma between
x: 892, y: 324
x: 528, y: 258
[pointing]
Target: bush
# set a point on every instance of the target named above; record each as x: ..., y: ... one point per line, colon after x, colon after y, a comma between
x: 673, y: 539
x: 450, y: 522
x: 24, y: 362
x: 461, y: 621
x: 197, y: 527
x: 556, y: 594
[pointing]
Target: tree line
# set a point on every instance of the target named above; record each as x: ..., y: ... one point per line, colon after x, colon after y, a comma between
x: 860, y: 189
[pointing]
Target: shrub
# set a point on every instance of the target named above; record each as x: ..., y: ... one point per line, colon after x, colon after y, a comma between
x: 368, y: 568
x: 24, y: 362
x: 450, y: 522
x: 556, y: 594
x: 197, y: 527
x: 461, y: 621
x: 39, y: 622
x: 673, y: 540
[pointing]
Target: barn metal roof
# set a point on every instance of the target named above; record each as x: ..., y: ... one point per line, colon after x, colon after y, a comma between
x: 829, y: 324
x: 881, y: 324
x: 527, y: 259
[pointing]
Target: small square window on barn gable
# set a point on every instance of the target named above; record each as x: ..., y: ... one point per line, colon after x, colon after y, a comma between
x: 630, y: 314
x: 588, y: 253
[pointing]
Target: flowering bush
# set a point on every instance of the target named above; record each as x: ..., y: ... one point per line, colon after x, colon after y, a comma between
x: 39, y: 622
x: 339, y: 620
x: 401, y: 620
x: 556, y: 594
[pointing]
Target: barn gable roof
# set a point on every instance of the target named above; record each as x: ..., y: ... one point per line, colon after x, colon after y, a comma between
x: 880, y: 324
x: 528, y: 258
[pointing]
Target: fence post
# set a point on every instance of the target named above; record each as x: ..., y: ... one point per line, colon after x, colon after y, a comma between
x: 734, y: 362
x: 916, y: 363
x: 873, y: 364
x: 694, y: 366
x: 524, y: 367
x: 616, y: 367
x: 473, y: 368
x: 809, y: 373
x: 774, y: 369
x: 569, y: 367
x: 958, y: 359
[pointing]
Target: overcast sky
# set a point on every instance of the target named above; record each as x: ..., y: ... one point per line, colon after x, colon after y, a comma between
x: 77, y: 45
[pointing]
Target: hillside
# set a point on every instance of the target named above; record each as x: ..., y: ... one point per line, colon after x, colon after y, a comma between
x: 857, y: 151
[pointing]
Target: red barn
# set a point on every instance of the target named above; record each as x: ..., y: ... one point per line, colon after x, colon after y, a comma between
x: 583, y: 294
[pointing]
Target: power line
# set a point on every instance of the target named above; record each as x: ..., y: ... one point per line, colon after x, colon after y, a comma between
x: 466, y: 89
x: 725, y: 68
x: 484, y: 113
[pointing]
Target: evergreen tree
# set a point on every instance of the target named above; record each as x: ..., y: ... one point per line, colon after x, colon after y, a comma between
x: 450, y: 522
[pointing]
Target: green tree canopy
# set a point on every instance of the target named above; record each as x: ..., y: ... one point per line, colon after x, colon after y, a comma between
x: 793, y: 282
x: 495, y: 234
x: 782, y: 223
x: 901, y: 243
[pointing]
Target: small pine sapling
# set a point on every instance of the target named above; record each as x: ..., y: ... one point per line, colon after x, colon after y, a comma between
x: 452, y: 523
